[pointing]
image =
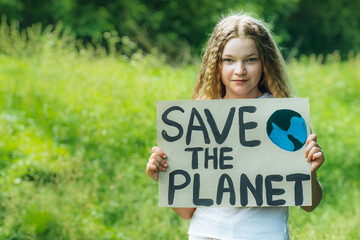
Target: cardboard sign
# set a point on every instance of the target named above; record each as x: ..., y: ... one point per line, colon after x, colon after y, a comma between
x: 242, y: 153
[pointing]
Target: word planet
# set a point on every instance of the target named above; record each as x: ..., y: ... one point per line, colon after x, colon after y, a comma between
x: 287, y: 130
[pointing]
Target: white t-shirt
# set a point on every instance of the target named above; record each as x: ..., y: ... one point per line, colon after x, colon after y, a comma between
x: 250, y: 223
x: 230, y: 223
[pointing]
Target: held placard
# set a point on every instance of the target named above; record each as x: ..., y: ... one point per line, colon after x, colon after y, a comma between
x: 243, y: 152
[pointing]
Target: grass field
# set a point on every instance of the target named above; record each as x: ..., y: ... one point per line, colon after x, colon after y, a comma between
x: 76, y: 132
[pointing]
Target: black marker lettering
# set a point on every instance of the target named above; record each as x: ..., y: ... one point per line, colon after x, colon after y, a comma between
x: 173, y: 187
x: 213, y: 157
x: 257, y: 192
x: 225, y: 158
x: 196, y: 194
x: 221, y: 189
x: 270, y: 191
x: 195, y: 156
x: 201, y: 127
x: 298, y: 189
x: 244, y: 126
x: 172, y: 123
x: 220, y: 137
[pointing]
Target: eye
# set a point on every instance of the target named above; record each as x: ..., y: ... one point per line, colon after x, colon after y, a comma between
x: 227, y: 60
x: 250, y: 60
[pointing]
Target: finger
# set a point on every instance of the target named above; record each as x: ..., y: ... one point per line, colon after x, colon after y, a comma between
x: 155, y: 162
x: 312, y: 153
x: 159, y: 159
x: 311, y: 137
x: 152, y: 171
x: 319, y: 156
x: 310, y: 146
x: 152, y: 168
x: 319, y: 160
x: 159, y: 151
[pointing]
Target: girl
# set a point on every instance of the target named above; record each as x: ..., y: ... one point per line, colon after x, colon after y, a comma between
x: 242, y: 61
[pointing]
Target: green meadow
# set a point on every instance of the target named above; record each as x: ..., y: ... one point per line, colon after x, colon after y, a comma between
x: 77, y: 124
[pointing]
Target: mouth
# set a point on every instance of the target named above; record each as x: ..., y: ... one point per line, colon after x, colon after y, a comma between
x: 239, y: 81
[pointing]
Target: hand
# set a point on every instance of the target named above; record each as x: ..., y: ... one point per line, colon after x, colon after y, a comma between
x: 156, y: 163
x: 313, y: 153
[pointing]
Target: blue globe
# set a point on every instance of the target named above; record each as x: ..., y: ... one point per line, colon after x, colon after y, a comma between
x: 287, y: 129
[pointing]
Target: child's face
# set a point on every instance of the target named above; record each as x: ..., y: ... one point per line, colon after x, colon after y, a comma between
x: 241, y: 68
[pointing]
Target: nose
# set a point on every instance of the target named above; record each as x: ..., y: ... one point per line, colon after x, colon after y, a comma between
x: 240, y: 68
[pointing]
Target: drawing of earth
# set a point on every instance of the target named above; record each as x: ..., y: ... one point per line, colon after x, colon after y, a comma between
x: 287, y: 129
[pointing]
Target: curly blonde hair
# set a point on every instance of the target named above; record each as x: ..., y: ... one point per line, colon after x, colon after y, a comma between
x: 274, y: 78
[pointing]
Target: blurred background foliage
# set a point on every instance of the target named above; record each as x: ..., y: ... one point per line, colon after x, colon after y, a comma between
x: 178, y: 28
